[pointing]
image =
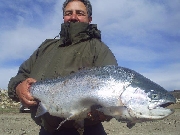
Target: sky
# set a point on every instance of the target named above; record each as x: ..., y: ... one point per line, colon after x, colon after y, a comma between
x: 144, y: 35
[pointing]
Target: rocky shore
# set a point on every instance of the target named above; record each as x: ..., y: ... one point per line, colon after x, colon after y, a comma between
x: 14, y: 123
x: 6, y: 102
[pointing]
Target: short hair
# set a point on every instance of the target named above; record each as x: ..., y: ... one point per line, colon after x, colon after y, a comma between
x: 85, y: 2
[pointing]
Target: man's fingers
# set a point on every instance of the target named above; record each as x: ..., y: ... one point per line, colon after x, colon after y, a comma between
x: 23, y: 93
x: 28, y: 95
x: 30, y: 81
x: 27, y: 102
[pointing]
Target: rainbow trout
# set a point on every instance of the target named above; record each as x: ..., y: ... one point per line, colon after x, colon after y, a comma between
x: 118, y: 92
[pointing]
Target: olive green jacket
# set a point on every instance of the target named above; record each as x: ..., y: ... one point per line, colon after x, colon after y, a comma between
x: 79, y: 46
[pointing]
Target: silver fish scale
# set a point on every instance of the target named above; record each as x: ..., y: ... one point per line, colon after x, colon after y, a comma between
x: 123, y: 94
x: 75, y: 93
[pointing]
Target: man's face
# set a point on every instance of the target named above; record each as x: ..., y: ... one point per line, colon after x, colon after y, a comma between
x: 75, y: 11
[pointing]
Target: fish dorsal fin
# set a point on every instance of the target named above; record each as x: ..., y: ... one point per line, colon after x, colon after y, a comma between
x: 41, y: 110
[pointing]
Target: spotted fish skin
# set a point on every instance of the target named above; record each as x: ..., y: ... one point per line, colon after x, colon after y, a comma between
x: 118, y: 92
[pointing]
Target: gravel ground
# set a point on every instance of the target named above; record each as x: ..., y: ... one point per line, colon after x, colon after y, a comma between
x: 21, y: 124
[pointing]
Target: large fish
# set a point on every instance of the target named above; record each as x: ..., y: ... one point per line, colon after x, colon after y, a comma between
x: 118, y: 92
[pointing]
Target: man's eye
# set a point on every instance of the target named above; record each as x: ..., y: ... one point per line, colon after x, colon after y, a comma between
x: 68, y: 14
x: 81, y: 13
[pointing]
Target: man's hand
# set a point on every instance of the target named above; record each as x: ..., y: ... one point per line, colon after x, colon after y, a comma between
x: 22, y: 90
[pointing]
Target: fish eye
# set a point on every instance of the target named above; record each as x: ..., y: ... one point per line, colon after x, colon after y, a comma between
x: 155, y: 96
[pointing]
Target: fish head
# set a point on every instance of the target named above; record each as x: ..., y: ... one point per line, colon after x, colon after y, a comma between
x: 146, y: 100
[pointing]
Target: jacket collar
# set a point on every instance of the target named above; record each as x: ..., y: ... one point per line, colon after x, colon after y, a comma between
x: 72, y: 33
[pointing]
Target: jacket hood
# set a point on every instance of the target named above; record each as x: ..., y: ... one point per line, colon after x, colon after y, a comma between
x: 77, y: 32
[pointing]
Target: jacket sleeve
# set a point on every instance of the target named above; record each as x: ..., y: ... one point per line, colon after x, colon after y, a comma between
x: 26, y: 68
x: 104, y: 55
x: 23, y: 73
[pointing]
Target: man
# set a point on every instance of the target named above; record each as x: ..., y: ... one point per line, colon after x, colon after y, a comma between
x: 79, y: 46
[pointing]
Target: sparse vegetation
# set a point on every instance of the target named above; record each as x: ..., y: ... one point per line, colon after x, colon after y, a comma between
x: 7, y: 104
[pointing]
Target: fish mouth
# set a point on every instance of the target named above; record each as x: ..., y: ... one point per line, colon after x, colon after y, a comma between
x: 165, y: 105
x: 157, y: 105
x: 162, y: 103
x: 161, y: 110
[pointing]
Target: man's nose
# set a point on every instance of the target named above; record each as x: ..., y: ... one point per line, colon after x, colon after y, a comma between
x: 74, y: 18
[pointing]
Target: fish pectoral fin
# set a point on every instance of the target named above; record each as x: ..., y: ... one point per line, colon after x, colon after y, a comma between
x: 40, y: 110
x: 120, y: 113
